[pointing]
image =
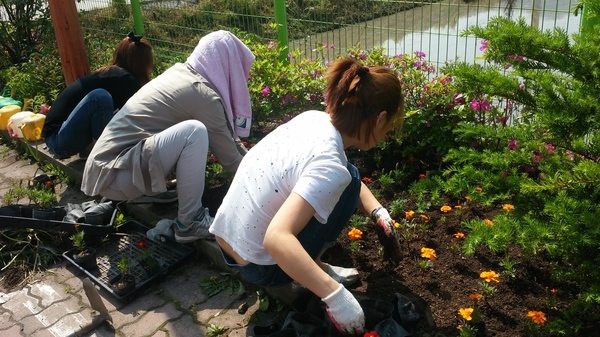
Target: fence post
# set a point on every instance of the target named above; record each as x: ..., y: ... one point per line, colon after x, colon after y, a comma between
x: 588, y: 23
x: 282, y: 28
x: 69, y: 38
x: 138, y: 23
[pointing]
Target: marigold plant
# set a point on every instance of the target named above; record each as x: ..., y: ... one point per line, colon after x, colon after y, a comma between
x: 537, y: 317
x: 428, y: 253
x: 489, y: 276
x: 488, y: 222
x: 446, y: 209
x: 409, y: 214
x: 459, y: 235
x: 475, y: 296
x: 355, y: 234
x: 508, y: 207
x: 466, y: 313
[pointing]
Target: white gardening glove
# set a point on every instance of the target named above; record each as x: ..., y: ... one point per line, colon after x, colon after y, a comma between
x: 386, y: 232
x: 345, y: 312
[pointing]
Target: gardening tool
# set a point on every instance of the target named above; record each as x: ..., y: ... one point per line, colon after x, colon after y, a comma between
x: 97, y: 304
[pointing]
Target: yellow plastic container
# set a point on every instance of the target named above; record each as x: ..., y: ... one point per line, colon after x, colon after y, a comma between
x: 31, y: 127
x: 14, y: 123
x: 6, y: 113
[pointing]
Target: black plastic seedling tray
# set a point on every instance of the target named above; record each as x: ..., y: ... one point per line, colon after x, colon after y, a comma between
x: 126, y: 242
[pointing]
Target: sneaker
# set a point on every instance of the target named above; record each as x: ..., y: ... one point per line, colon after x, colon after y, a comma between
x: 197, y: 230
x: 345, y: 276
x: 162, y: 232
x: 162, y: 198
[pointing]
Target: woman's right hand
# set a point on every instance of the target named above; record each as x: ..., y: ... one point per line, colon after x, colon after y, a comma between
x: 345, y: 312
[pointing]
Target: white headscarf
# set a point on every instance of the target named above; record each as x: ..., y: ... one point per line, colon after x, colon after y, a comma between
x: 225, y: 61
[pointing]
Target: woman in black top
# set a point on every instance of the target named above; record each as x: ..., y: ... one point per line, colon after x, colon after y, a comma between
x: 82, y: 110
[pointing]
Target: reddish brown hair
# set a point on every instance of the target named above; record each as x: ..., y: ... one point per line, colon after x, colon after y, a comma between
x: 356, y: 94
x: 134, y: 54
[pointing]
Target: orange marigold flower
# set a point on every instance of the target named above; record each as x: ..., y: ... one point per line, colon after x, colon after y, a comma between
x: 489, y: 276
x: 488, y: 222
x: 458, y: 206
x: 478, y: 189
x: 508, y: 207
x: 554, y: 291
x: 475, y: 296
x: 428, y: 253
x: 424, y: 217
x: 468, y: 198
x: 355, y: 234
x: 422, y: 176
x: 459, y: 327
x: 466, y: 313
x: 371, y: 334
x: 446, y: 209
x: 409, y: 215
x: 367, y: 180
x: 537, y: 317
x: 459, y: 235
x: 411, y: 160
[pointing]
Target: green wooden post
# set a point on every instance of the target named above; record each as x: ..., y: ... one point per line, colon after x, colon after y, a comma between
x: 282, y: 29
x: 138, y: 23
x: 588, y: 23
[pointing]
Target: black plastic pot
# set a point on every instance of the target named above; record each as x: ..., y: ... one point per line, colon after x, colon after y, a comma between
x: 123, y: 284
x: 86, y: 258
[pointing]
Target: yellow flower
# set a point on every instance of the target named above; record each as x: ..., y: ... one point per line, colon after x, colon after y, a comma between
x: 428, y: 253
x: 489, y: 276
x: 475, y: 296
x: 459, y: 235
x: 488, y: 222
x: 458, y: 206
x: 396, y: 223
x: 508, y: 207
x: 446, y: 209
x: 409, y: 215
x: 537, y: 317
x: 468, y: 198
x: 355, y: 234
x: 466, y: 313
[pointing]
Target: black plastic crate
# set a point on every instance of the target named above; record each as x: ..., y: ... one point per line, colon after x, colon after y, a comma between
x: 126, y: 243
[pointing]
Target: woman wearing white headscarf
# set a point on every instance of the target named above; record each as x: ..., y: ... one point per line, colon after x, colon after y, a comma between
x: 171, y: 123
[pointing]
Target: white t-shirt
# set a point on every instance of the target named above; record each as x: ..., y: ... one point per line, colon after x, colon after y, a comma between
x: 305, y: 156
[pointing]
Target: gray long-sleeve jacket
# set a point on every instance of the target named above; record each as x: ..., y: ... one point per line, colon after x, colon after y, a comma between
x: 127, y: 142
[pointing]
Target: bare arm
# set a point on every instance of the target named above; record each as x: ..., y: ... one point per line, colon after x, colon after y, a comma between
x: 367, y: 201
x: 282, y: 244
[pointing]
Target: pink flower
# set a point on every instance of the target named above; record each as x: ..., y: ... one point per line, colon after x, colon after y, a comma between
x: 512, y: 144
x: 550, y: 147
x: 265, y: 91
x: 522, y: 86
x: 419, y: 64
x: 458, y: 99
x: 272, y: 45
x: 484, y: 45
x: 419, y: 54
x: 362, y: 56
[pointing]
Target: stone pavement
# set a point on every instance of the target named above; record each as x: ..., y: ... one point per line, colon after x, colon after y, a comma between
x: 55, y: 304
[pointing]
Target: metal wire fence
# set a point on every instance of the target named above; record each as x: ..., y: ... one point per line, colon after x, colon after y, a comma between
x: 325, y: 28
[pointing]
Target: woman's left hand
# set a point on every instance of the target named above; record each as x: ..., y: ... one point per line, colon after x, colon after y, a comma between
x: 386, y: 232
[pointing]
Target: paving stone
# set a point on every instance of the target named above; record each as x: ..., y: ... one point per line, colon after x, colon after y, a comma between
x: 13, y: 331
x: 48, y: 292
x: 217, y: 305
x: 5, y: 321
x: 50, y: 316
x: 185, y: 289
x: 151, y: 321
x: 183, y: 326
x: 21, y: 304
